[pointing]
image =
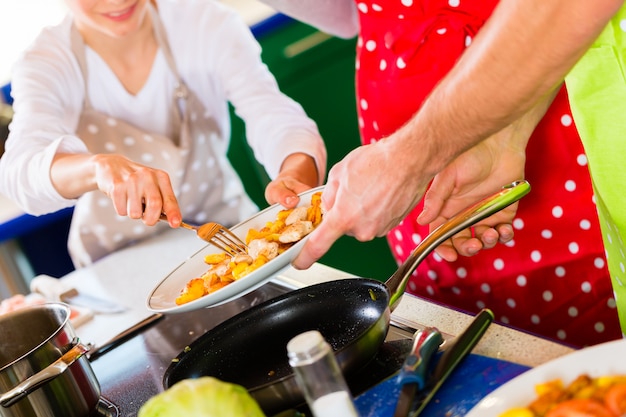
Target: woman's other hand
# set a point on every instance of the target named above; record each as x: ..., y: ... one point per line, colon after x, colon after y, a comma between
x: 297, y: 174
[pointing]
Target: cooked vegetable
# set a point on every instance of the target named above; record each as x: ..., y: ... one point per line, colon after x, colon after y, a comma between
x: 202, y: 397
x: 585, y: 396
x: 580, y: 407
x: 290, y: 226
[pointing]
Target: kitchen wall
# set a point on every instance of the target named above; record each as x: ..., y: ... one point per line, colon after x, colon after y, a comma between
x: 20, y: 22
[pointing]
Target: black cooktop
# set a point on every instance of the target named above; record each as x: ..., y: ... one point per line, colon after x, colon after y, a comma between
x: 106, y: 408
x: 132, y: 372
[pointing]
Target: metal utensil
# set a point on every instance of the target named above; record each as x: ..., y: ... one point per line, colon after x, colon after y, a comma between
x: 95, y: 352
x: 97, y: 304
x: 414, y: 372
x: 217, y: 235
x: 453, y: 355
x: 383, y: 398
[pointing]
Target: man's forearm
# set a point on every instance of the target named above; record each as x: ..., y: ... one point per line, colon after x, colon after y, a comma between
x: 521, y: 54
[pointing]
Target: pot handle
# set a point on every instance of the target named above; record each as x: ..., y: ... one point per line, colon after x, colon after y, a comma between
x: 50, y: 372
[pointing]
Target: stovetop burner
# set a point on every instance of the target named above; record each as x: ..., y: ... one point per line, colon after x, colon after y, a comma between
x: 132, y: 372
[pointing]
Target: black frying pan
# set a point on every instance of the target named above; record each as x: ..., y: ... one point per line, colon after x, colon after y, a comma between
x: 353, y: 315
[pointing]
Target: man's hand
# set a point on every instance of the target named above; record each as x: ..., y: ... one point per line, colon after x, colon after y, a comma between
x: 365, y: 196
x: 476, y: 174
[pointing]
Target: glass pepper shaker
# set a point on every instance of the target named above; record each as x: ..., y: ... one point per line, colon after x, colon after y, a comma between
x: 319, y: 377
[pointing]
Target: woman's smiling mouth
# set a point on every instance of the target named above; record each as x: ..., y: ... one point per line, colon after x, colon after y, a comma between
x: 121, y: 15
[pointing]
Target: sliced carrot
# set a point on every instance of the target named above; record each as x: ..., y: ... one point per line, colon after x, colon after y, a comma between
x: 234, y: 271
x: 615, y: 399
x: 211, y: 280
x: 217, y: 286
x: 215, y: 258
x: 193, y: 290
x: 580, y: 407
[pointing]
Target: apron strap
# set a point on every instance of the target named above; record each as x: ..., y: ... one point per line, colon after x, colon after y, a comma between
x: 78, y: 48
x: 161, y: 37
x: 181, y: 93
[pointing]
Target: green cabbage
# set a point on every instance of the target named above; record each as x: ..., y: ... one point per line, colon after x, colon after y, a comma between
x: 202, y: 397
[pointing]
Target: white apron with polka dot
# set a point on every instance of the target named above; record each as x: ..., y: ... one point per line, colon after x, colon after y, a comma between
x: 204, y: 184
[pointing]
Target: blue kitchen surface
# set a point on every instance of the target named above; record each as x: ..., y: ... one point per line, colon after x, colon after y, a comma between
x: 475, y: 377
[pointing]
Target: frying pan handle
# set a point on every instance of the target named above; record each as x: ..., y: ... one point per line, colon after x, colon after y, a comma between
x: 509, y: 194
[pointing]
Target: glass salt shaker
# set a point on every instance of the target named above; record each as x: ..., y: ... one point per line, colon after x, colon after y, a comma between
x: 319, y: 377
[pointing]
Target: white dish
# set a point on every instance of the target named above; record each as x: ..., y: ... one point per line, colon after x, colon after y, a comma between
x: 603, y: 359
x: 163, y: 296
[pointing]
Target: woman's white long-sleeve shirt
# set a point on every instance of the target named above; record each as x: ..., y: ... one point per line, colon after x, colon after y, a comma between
x: 216, y: 55
x: 337, y: 17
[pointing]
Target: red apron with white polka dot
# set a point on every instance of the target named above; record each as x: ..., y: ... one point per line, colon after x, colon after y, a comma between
x: 552, y: 279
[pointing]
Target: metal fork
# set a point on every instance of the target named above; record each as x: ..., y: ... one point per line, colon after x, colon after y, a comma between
x: 217, y: 235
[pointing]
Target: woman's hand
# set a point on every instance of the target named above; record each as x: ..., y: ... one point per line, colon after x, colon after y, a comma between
x: 297, y: 174
x: 136, y: 190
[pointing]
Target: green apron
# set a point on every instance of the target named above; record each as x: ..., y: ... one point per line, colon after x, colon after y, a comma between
x: 597, y: 91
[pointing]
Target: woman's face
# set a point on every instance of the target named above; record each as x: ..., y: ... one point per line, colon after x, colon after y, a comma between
x: 115, y: 18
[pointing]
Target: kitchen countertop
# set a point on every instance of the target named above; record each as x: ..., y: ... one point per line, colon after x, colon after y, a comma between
x: 129, y: 275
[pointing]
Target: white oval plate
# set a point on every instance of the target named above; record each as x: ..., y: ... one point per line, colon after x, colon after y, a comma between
x: 163, y: 296
x: 603, y: 359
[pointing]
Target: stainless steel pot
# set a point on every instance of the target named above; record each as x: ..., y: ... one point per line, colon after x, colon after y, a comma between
x: 43, y: 369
